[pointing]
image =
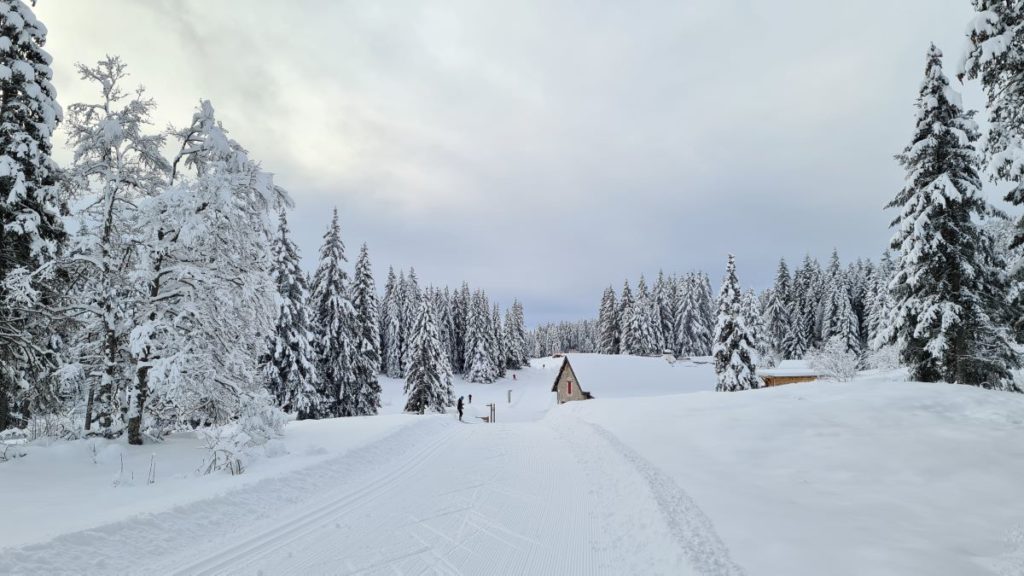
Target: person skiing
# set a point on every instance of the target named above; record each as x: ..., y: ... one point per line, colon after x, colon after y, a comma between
x: 459, y: 407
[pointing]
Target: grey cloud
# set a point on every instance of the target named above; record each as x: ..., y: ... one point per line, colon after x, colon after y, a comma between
x: 545, y: 149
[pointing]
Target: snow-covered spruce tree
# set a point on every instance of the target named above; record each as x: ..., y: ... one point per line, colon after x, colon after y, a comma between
x: 30, y: 227
x: 776, y: 319
x: 664, y: 303
x: 445, y: 325
x: 879, y: 303
x: 948, y: 319
x: 365, y: 393
x: 838, y: 316
x: 686, y: 316
x: 333, y: 326
x: 385, y: 319
x: 410, y: 305
x: 706, y: 305
x: 734, y: 347
x: 428, y: 382
x: 858, y: 282
x: 205, y: 265
x: 478, y: 352
x: 608, y: 323
x: 625, y: 309
x: 498, y: 350
x: 290, y: 370
x: 641, y: 338
x: 460, y: 320
x: 995, y: 54
x: 394, y: 330
x: 115, y: 163
x: 751, y: 311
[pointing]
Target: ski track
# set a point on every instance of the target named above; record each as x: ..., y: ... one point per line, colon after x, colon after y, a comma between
x: 557, y: 496
x: 691, y: 527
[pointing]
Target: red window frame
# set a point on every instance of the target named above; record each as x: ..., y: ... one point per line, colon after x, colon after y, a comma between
x: 569, y: 384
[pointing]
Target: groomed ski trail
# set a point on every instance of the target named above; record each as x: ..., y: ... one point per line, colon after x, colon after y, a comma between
x: 556, y: 496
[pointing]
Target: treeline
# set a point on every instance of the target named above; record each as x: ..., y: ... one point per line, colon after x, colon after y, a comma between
x: 141, y: 293
x: 946, y: 299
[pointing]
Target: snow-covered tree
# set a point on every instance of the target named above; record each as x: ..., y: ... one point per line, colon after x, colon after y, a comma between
x: 410, y: 305
x: 947, y: 320
x: 115, y: 163
x: 205, y: 266
x: 625, y: 309
x: 479, y: 336
x: 498, y: 352
x: 365, y: 393
x: 750, y: 309
x: 608, y: 323
x: 515, y: 337
x: 428, y: 382
x: 733, y: 351
x: 880, y: 302
x: 778, y: 324
x: 333, y: 325
x: 30, y: 226
x: 291, y: 367
x: 460, y: 320
x: 640, y: 330
x: 838, y: 316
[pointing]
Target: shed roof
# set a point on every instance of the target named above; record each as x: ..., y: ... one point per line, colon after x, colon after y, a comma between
x: 616, y: 376
x: 790, y: 369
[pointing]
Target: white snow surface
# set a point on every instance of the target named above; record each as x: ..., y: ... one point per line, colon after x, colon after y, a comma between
x: 874, y: 476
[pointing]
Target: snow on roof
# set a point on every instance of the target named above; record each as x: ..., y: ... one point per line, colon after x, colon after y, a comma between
x: 790, y: 368
x: 619, y: 376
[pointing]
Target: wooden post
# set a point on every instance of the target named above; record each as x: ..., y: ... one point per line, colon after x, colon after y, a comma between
x: 509, y: 396
x: 491, y: 406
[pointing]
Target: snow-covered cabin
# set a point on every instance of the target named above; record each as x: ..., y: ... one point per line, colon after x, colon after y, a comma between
x: 788, y: 372
x: 585, y: 376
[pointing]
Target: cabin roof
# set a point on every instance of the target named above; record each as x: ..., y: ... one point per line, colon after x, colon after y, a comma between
x: 790, y: 369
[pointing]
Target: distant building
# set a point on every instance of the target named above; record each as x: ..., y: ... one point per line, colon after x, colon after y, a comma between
x: 788, y: 372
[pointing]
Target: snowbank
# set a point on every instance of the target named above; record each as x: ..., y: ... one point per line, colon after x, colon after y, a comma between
x: 68, y: 486
x: 873, y: 476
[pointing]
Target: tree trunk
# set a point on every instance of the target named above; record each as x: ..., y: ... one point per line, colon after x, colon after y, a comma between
x: 137, y: 405
x: 88, y: 407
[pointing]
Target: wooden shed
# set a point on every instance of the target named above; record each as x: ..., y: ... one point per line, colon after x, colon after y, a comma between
x: 788, y: 372
x: 567, y: 385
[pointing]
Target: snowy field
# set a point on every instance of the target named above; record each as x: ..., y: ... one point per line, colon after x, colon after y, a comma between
x: 874, y: 476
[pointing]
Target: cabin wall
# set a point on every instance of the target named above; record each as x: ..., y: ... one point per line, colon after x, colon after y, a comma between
x: 770, y: 381
x: 563, y: 387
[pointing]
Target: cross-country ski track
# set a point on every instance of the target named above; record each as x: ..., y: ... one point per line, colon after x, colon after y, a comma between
x: 546, y: 497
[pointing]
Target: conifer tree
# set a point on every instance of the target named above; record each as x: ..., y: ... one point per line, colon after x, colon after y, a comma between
x: 498, y: 353
x: 515, y: 337
x: 703, y: 332
x: 334, y: 320
x: 460, y: 320
x: 880, y: 302
x: 641, y: 339
x: 480, y: 366
x: 30, y: 226
x: 410, y: 302
x: 734, y: 347
x: 947, y: 321
x: 386, y: 334
x: 365, y: 394
x: 428, y: 381
x: 778, y: 324
x: 291, y: 368
x: 838, y: 316
x: 608, y: 323
x: 625, y: 309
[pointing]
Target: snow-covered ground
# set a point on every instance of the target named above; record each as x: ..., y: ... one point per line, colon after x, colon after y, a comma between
x: 874, y: 476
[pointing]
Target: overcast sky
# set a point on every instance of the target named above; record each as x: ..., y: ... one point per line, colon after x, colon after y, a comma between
x: 543, y: 149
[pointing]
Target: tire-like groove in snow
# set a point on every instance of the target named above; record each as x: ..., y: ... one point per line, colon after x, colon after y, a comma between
x: 692, y: 528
